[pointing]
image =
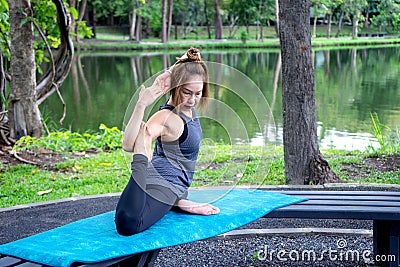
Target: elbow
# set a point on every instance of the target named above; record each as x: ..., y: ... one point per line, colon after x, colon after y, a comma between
x: 126, y: 147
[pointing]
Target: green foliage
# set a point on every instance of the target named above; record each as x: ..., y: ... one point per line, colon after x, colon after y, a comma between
x: 388, y: 139
x: 45, y: 18
x: 4, y: 28
x: 235, y: 13
x: 152, y: 12
x: 83, y: 30
x: 243, y: 36
x: 389, y: 16
x: 67, y: 141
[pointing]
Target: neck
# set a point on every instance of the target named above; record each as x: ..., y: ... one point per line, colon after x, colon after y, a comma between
x: 188, y: 113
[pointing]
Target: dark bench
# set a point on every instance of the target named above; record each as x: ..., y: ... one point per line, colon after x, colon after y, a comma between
x: 382, y: 207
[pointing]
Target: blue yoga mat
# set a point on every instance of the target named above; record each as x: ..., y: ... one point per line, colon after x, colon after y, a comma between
x: 95, y: 239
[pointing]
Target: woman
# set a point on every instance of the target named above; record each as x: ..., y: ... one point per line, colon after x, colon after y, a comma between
x: 160, y: 181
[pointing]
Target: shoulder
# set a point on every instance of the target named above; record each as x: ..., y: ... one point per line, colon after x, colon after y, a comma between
x: 165, y: 123
x: 164, y: 117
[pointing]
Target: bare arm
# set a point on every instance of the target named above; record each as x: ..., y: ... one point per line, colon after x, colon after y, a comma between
x: 147, y: 96
x: 132, y: 128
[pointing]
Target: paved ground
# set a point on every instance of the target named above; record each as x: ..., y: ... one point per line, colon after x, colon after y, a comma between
x: 231, y: 251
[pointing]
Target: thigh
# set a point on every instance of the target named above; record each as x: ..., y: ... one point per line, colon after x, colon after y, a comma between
x: 159, y: 202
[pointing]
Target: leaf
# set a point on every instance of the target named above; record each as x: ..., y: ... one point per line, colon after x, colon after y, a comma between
x: 44, y: 192
x: 4, y: 3
x: 106, y: 164
x: 74, y: 12
x: 23, y: 21
x: 77, y: 167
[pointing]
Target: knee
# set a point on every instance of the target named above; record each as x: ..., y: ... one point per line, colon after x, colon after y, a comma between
x: 127, y: 225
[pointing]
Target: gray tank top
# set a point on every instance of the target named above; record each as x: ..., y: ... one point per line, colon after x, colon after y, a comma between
x: 173, y: 163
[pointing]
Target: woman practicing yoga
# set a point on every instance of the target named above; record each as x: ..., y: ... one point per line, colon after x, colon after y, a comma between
x: 160, y: 181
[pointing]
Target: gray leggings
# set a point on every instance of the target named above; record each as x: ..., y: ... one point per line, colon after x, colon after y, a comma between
x: 138, y: 209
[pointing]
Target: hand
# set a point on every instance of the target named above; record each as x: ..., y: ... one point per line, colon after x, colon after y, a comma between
x: 166, y: 77
x: 160, y: 86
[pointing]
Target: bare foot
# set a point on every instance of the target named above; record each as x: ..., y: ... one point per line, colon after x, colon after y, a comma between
x: 141, y: 142
x: 197, y: 208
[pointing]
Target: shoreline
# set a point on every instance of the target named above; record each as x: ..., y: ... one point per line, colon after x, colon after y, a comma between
x: 318, y: 43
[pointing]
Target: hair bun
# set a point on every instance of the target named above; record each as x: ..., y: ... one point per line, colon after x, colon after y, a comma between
x: 192, y: 55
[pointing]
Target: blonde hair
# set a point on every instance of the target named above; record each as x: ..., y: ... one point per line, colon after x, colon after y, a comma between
x: 187, y: 66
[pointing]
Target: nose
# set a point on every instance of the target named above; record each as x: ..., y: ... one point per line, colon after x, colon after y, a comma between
x: 192, y: 99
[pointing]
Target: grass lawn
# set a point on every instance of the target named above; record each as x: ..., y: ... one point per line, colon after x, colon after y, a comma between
x: 84, y: 174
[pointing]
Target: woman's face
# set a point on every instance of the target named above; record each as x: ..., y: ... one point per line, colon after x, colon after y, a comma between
x: 190, y: 93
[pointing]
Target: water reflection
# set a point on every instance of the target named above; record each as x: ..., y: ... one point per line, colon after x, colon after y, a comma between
x: 350, y: 85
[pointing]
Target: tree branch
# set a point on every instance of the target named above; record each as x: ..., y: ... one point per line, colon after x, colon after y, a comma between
x: 63, y: 103
x: 53, y: 68
x: 46, y: 86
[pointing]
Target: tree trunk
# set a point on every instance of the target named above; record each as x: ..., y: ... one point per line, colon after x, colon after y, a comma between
x: 315, y: 19
x: 277, y: 17
x: 206, y: 19
x: 355, y: 28
x: 82, y: 11
x: 366, y: 21
x: 73, y: 4
x: 94, y: 27
x: 138, y: 28
x: 133, y: 24
x: 218, y: 21
x: 3, y: 84
x: 328, y: 29
x: 164, y: 21
x: 24, y: 114
x: 169, y: 16
x: 340, y: 23
x: 304, y: 163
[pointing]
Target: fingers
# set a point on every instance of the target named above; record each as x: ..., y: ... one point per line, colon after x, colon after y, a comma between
x: 163, y: 81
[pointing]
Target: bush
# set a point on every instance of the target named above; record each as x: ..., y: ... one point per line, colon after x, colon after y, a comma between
x: 67, y: 141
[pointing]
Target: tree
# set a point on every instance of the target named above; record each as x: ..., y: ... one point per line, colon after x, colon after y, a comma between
x: 166, y: 20
x: 218, y: 21
x: 330, y: 5
x: 354, y: 9
x: 389, y: 15
x: 316, y: 14
x: 25, y: 56
x: 23, y: 110
x: 304, y: 163
x: 245, y: 11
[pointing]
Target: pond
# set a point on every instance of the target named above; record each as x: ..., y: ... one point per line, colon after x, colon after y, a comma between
x: 350, y: 84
